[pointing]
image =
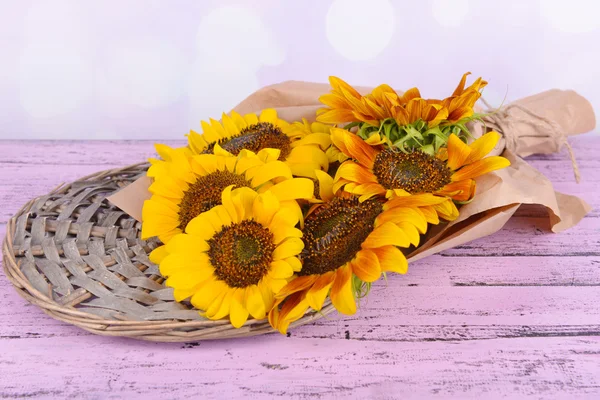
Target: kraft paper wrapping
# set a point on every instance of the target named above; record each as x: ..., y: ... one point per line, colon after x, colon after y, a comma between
x: 535, y: 124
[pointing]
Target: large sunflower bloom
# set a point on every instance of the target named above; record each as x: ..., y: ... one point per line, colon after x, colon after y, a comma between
x: 234, y: 258
x: 375, y: 171
x: 346, y: 105
x: 344, y: 238
x: 185, y: 186
x: 302, y: 151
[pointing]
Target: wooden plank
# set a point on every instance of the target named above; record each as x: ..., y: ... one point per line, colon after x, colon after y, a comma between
x: 275, y: 366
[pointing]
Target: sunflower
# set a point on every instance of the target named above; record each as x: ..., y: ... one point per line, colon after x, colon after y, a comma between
x: 302, y: 151
x: 187, y: 185
x: 376, y: 171
x: 346, y: 105
x: 343, y: 239
x: 233, y: 259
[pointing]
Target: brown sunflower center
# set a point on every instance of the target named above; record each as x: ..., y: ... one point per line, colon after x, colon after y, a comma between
x: 255, y: 138
x: 205, y: 193
x: 242, y: 253
x: 414, y: 172
x: 333, y: 233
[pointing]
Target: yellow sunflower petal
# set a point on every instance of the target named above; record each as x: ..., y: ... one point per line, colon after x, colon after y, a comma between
x: 417, y: 200
x: 460, y: 191
x: 482, y: 146
x: 251, y: 119
x: 158, y: 254
x: 386, y: 234
x: 354, y: 172
x: 341, y: 295
x: 196, y: 142
x: 265, y: 207
x: 220, y: 153
x: 356, y: 147
x: 316, y: 295
x: 338, y: 84
x: 292, y: 189
x: 430, y: 215
x: 403, y: 214
x: 270, y: 171
x: 295, y: 263
x: 158, y: 205
x: 207, y: 293
x: 181, y: 294
x: 289, y: 248
x: 283, y: 217
x: 267, y: 294
x: 169, y: 188
x: 461, y: 85
x: 243, y: 199
x: 305, y: 170
x: 366, y: 266
x: 159, y: 227
x: 209, y: 134
x: 221, y: 215
x: 335, y: 101
x: 480, y: 167
x: 275, y: 284
x: 458, y: 152
x: 320, y: 139
x: 227, y: 202
x: 460, y: 113
x: 254, y: 302
x: 282, y: 232
x: 297, y: 285
x: 187, y: 244
x: 221, y: 306
x: 335, y: 116
x: 411, y: 231
x: 447, y: 210
x: 218, y: 128
x: 308, y: 155
x: 366, y: 190
x: 280, y: 269
x: 292, y: 310
x: 268, y: 115
x: 238, y: 314
x: 268, y: 155
x: 202, y: 226
x: 325, y: 185
x: 391, y: 259
x: 238, y: 120
x: 196, y: 264
x: 229, y: 125
x: 185, y: 284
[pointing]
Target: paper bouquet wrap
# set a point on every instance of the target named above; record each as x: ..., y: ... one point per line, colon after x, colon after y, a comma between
x: 267, y: 220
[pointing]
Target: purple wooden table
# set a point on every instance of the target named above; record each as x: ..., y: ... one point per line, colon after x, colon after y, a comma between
x: 515, y: 314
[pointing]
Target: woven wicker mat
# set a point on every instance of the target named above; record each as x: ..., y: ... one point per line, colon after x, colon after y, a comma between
x: 82, y: 261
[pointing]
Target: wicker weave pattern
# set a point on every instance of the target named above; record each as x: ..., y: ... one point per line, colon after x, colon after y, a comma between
x: 81, y: 260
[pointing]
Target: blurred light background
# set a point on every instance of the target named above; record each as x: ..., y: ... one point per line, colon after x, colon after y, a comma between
x: 152, y: 69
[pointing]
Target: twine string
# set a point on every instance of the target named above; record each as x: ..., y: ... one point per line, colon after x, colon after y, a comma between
x: 504, y: 120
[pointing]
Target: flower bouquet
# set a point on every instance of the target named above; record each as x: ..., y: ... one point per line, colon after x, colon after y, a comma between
x: 287, y: 209
x: 272, y: 212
